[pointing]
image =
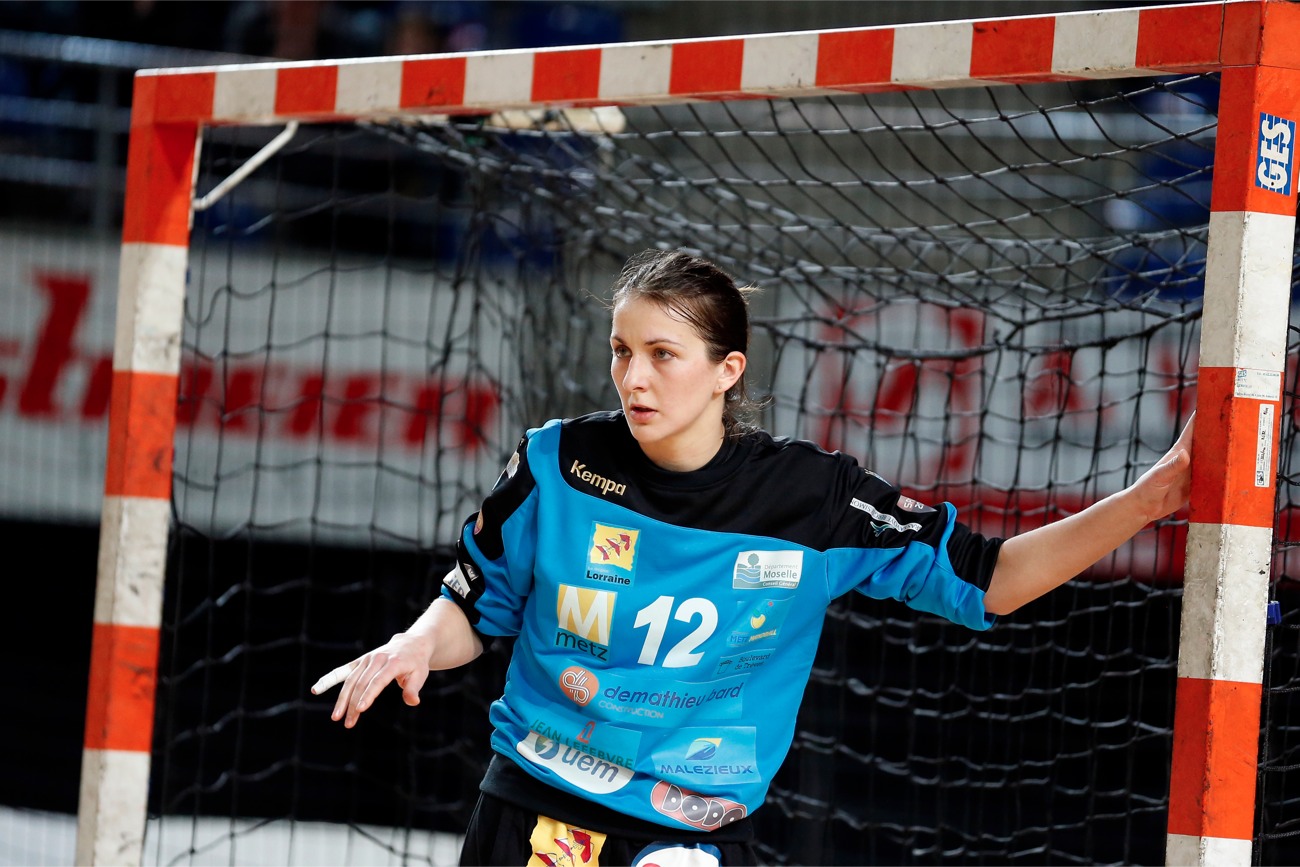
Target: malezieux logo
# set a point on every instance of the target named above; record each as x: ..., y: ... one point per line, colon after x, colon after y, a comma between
x: 574, y: 766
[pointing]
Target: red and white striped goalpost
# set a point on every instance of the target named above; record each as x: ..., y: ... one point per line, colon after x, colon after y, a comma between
x: 1238, y: 402
x: 1254, y: 43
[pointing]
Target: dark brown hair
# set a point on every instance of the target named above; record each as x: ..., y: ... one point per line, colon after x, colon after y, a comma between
x: 705, y: 296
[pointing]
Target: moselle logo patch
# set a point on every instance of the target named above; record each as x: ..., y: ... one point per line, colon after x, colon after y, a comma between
x: 760, y: 621
x: 709, y: 755
x: 579, y: 685
x: 602, y: 740
x: 766, y: 570
x: 705, y: 812
x: 611, y: 559
x: 1273, y: 163
x: 584, y: 616
x: 741, y: 662
x: 604, y: 485
x: 723, y: 698
x: 579, y: 768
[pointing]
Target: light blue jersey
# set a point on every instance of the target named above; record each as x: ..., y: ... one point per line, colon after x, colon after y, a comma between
x: 666, y: 622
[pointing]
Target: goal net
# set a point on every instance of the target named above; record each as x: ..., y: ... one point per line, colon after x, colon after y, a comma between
x: 989, y: 295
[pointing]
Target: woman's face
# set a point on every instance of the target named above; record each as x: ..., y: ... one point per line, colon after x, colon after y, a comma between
x: 672, y: 394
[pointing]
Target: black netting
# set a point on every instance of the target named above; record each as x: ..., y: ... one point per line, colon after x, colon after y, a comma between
x: 991, y: 296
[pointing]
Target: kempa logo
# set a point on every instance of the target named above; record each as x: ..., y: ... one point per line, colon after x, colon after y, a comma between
x: 607, y: 486
x: 581, y: 769
x: 762, y: 570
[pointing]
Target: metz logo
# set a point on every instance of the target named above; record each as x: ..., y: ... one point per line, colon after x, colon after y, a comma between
x: 696, y: 810
x: 1276, y: 149
x: 584, y: 617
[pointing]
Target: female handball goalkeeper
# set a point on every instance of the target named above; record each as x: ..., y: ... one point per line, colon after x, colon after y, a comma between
x: 665, y: 569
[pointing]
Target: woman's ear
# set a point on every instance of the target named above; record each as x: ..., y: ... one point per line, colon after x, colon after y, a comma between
x: 732, y: 367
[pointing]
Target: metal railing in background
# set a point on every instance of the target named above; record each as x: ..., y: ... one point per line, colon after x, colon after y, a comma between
x: 65, y: 112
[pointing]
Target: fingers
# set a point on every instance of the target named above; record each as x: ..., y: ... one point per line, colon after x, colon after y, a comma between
x: 411, y: 685
x: 1185, y: 438
x: 334, y: 678
x: 367, y: 678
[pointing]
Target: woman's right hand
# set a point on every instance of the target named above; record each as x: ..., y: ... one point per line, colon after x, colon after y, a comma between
x: 404, y: 658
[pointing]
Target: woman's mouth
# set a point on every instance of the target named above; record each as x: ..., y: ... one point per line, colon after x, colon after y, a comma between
x: 639, y: 413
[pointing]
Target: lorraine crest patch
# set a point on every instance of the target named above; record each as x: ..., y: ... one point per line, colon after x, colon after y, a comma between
x: 612, y: 555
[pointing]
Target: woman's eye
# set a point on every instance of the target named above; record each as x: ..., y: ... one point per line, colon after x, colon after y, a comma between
x: 663, y: 354
x: 620, y: 352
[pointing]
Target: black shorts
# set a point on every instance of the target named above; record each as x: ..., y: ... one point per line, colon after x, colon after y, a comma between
x: 502, y: 834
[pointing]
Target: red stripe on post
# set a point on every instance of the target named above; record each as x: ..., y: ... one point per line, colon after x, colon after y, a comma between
x: 123, y: 677
x: 861, y: 61
x: 1226, y: 443
x: 1281, y: 44
x: 184, y: 98
x: 438, y: 82
x: 1182, y: 38
x: 566, y: 76
x: 1246, y: 93
x: 1012, y: 49
x: 711, y: 68
x: 1243, y: 29
x: 1216, y: 745
x: 141, y: 425
x: 307, y: 90
x: 159, y: 183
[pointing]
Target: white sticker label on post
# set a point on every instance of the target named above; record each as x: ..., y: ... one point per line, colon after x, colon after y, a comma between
x: 1258, y: 384
x: 1264, y: 447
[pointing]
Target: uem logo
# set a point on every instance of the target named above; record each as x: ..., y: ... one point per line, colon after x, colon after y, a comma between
x: 1276, y: 148
x: 581, y: 769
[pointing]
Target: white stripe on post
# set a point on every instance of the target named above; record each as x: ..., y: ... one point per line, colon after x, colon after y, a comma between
x: 151, y: 297
x: 368, y: 86
x: 784, y: 63
x: 132, y: 556
x: 933, y: 55
x: 113, y: 812
x: 635, y: 72
x: 1183, y: 849
x: 1244, y: 324
x: 495, y: 81
x: 246, y: 94
x: 1096, y: 44
x: 1226, y: 592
